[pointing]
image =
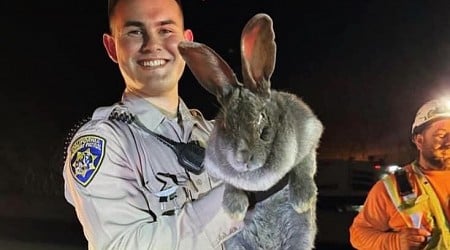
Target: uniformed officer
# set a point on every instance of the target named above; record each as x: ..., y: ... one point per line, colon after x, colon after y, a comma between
x: 131, y: 188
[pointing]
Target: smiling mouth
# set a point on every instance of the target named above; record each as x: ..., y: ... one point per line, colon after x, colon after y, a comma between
x: 152, y: 63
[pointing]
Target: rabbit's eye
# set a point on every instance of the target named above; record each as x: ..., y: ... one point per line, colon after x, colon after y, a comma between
x: 265, y: 134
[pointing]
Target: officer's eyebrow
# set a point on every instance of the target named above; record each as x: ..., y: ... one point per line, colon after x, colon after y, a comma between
x: 133, y: 23
x: 140, y: 24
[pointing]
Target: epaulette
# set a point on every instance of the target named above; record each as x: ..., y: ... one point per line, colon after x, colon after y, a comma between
x: 72, y: 133
x: 121, y: 113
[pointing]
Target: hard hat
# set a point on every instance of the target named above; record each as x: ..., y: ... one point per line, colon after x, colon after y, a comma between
x: 431, y: 110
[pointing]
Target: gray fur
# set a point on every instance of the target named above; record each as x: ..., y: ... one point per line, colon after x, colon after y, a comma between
x: 260, y: 135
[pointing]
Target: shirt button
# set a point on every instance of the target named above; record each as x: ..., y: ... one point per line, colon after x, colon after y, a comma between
x: 198, y: 182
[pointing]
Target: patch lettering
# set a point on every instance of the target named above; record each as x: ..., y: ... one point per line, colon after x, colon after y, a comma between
x: 86, y: 156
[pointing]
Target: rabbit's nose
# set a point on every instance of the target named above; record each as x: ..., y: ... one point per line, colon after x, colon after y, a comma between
x: 242, y: 152
x: 242, y: 156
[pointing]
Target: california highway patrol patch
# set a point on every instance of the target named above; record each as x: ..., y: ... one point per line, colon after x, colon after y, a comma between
x: 86, y: 155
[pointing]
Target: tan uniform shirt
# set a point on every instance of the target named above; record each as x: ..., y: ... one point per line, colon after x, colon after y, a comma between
x: 130, y: 192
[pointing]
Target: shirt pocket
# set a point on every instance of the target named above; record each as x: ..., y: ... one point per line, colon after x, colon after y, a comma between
x: 168, y: 193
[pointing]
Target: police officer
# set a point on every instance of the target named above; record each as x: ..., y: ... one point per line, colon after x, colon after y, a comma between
x: 130, y: 188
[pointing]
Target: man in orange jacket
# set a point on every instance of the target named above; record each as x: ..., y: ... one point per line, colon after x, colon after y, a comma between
x: 417, y: 219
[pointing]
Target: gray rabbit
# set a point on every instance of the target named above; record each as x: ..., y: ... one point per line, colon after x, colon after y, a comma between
x: 260, y: 136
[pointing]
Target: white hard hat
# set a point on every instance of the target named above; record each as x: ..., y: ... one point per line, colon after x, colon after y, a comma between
x: 431, y: 110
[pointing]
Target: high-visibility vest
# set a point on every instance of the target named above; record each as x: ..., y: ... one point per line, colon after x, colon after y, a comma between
x: 427, y: 204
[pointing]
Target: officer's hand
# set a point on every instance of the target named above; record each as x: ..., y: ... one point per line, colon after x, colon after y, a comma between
x: 413, y: 238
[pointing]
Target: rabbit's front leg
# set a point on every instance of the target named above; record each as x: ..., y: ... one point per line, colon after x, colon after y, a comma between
x: 235, y: 202
x: 302, y: 187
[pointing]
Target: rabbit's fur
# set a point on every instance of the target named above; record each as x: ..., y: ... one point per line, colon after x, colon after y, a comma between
x: 260, y: 135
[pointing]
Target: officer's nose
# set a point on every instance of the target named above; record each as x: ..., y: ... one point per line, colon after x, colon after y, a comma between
x: 151, y: 43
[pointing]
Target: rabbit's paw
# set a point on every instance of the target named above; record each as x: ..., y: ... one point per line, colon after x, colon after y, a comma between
x: 235, y: 202
x: 303, y: 206
x: 302, y: 201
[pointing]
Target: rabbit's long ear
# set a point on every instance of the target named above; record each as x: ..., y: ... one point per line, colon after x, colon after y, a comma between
x: 258, y: 53
x: 212, y: 72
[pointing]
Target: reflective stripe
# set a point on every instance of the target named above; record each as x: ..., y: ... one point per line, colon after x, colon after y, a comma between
x: 442, y: 242
x: 427, y: 202
x: 391, y: 189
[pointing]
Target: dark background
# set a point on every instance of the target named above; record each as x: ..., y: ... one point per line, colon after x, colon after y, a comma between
x: 363, y: 66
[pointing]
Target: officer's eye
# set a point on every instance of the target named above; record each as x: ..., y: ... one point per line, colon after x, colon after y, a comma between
x: 135, y: 33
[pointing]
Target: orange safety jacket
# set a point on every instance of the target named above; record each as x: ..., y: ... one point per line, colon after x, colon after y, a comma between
x: 383, y: 213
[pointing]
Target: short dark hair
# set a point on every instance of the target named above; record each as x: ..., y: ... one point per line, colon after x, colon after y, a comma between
x: 112, y: 4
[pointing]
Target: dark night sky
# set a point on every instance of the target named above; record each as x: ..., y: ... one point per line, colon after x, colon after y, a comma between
x: 363, y: 66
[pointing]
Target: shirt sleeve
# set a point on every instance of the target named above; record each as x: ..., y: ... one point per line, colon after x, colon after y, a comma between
x: 115, y: 210
x: 370, y: 228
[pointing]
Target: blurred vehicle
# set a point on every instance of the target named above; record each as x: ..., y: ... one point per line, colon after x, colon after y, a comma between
x: 347, y: 181
x: 343, y: 186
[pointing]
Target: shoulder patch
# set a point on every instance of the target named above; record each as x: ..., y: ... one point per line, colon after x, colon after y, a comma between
x: 86, y: 155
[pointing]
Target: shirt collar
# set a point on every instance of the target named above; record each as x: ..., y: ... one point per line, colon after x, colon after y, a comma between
x: 150, y: 115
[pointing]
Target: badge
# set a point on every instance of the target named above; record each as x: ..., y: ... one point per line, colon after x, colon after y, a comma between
x: 86, y: 156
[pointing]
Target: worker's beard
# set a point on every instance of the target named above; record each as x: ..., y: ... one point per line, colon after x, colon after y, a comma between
x: 438, y: 158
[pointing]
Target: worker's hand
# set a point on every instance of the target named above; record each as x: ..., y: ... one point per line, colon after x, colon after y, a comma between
x: 413, y: 238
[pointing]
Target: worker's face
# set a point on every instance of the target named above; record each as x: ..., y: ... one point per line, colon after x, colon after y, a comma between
x: 434, y: 144
x: 144, y: 39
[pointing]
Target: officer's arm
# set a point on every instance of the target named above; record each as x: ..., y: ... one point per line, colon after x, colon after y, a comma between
x: 117, y: 213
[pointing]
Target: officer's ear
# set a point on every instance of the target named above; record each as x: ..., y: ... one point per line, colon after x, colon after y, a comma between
x: 110, y: 46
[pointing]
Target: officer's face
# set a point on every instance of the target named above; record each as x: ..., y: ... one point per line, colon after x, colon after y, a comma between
x: 434, y: 144
x: 144, y: 39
